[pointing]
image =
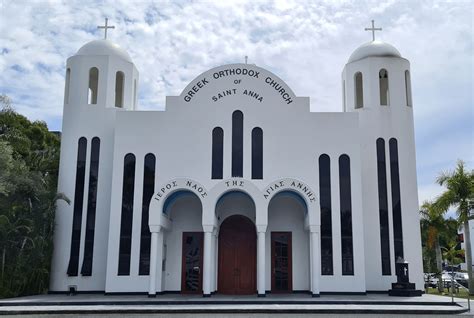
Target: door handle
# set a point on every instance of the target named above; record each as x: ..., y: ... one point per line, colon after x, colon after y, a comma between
x: 197, y: 269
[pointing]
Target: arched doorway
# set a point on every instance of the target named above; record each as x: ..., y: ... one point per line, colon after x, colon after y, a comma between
x: 183, y: 243
x: 287, y: 243
x: 237, y: 256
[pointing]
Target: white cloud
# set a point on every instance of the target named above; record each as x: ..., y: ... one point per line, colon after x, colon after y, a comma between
x: 305, y: 43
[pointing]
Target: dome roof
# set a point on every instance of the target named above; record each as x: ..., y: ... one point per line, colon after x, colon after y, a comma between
x: 374, y: 48
x: 104, y: 47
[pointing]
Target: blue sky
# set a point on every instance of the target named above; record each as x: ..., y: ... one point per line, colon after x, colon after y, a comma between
x: 305, y: 43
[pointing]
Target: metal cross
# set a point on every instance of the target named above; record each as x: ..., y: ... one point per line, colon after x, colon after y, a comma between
x: 105, y: 27
x: 246, y: 59
x: 373, y: 29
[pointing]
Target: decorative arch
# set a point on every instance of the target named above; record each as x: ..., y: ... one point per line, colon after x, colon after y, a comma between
x: 157, y: 218
x: 229, y: 185
x: 299, y: 187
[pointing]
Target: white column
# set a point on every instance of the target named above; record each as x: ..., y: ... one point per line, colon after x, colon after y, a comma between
x: 156, y: 256
x: 207, y: 272
x: 154, y: 244
x: 261, y: 264
x: 315, y: 264
x: 261, y: 260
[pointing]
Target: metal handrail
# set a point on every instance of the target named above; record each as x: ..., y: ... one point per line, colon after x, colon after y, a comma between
x: 454, y: 283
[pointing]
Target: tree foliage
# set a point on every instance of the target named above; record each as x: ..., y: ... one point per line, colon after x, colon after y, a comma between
x: 459, y: 194
x: 29, y: 160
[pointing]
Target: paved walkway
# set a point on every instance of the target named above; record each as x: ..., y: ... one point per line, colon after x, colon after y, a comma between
x: 176, y: 305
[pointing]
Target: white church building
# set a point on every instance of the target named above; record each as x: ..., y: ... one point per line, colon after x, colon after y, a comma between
x: 236, y: 187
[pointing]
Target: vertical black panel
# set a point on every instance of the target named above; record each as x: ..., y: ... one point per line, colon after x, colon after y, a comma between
x: 127, y: 214
x: 346, y: 215
x: 383, y: 208
x: 326, y: 221
x: 73, y: 266
x: 86, y: 269
x: 148, y: 190
x: 396, y: 203
x: 217, y: 153
x: 237, y: 144
x: 257, y: 153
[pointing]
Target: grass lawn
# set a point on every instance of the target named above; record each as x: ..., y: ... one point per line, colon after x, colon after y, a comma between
x: 462, y: 293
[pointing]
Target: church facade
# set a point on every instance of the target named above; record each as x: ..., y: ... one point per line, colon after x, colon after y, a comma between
x: 237, y: 187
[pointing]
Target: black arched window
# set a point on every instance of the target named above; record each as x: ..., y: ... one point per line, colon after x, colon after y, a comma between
x: 358, y: 90
x: 73, y: 266
x: 346, y: 215
x: 119, y: 88
x: 326, y: 223
x: 148, y: 190
x: 217, y: 153
x: 93, y: 85
x: 128, y: 187
x: 66, y: 88
x: 257, y: 153
x: 396, y: 200
x: 408, y: 88
x: 383, y: 87
x: 86, y: 269
x: 237, y: 144
x: 383, y: 207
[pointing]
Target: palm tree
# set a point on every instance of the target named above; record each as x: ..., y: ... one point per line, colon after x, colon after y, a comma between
x: 459, y: 193
x: 434, y: 221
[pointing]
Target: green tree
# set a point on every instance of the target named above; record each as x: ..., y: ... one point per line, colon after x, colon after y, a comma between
x: 458, y: 194
x: 29, y: 160
x: 434, y: 223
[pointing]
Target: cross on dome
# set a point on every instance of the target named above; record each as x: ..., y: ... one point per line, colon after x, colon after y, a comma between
x: 105, y: 27
x: 373, y: 29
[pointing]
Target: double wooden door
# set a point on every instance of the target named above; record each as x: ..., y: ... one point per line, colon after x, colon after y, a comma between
x: 237, y: 256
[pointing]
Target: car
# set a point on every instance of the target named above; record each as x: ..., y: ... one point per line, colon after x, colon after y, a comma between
x: 462, y: 278
x: 430, y: 280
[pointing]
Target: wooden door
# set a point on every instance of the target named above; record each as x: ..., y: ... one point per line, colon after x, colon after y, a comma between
x: 282, y: 280
x: 237, y: 256
x: 191, y: 268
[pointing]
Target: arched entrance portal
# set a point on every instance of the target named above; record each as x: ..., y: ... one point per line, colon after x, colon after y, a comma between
x: 237, y: 256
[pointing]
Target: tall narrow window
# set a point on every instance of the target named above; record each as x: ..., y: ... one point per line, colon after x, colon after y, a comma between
x: 217, y: 153
x: 119, y: 82
x: 134, y: 94
x: 383, y: 87
x: 128, y: 187
x: 346, y: 215
x: 66, y: 88
x: 408, y: 87
x: 396, y: 201
x: 358, y: 90
x: 86, y: 269
x: 344, y: 95
x: 148, y: 190
x: 93, y: 85
x: 257, y: 153
x: 326, y: 223
x: 237, y: 144
x: 383, y: 208
x: 73, y: 266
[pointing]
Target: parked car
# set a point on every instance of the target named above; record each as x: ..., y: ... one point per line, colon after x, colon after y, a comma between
x: 431, y: 280
x: 462, y: 278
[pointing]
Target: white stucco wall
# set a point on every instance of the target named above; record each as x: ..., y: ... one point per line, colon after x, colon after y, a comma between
x: 293, y: 140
